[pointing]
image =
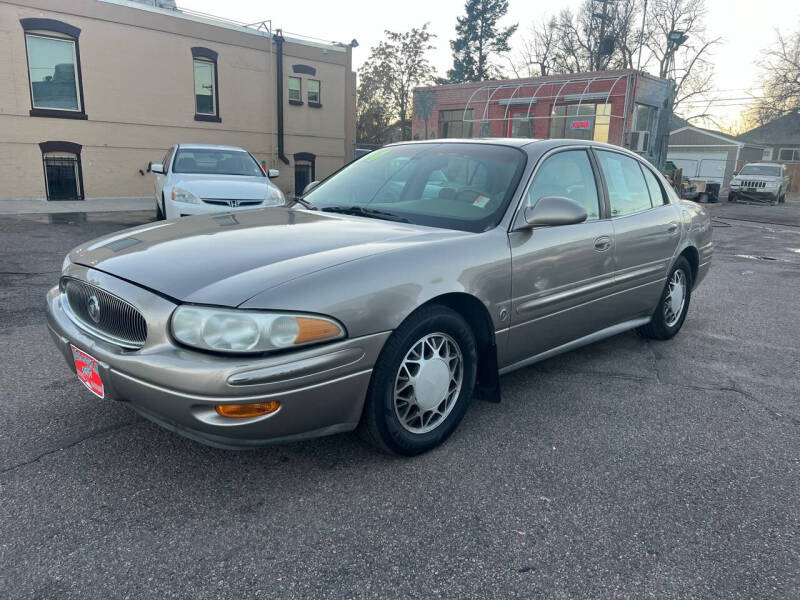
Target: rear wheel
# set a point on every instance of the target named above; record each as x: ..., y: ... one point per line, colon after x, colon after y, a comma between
x: 674, y: 304
x: 421, y: 384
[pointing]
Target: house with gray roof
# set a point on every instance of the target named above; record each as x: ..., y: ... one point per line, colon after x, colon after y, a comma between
x: 780, y: 137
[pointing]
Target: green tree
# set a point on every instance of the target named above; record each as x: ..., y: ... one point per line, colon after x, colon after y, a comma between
x: 478, y: 37
x: 393, y: 69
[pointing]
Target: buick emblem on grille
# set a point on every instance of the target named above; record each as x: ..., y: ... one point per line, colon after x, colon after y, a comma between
x: 93, y: 308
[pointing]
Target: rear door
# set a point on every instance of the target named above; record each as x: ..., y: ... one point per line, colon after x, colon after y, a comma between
x: 561, y: 276
x: 646, y: 229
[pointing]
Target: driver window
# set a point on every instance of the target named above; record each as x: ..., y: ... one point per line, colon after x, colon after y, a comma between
x: 567, y: 174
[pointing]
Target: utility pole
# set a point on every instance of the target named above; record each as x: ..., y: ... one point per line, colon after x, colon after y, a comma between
x: 641, y: 37
x: 605, y: 45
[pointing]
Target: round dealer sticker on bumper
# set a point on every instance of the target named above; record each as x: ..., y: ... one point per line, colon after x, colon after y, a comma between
x: 88, y: 371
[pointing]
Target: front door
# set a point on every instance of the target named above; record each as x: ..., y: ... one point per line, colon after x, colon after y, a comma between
x: 646, y: 231
x: 561, y: 276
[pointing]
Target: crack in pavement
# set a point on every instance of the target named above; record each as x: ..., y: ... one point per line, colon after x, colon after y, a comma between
x: 73, y: 442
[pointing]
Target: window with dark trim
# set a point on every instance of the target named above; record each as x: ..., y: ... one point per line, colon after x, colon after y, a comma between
x: 63, y: 176
x: 295, y: 90
x: 452, y: 124
x: 314, y: 93
x: 304, y: 171
x: 789, y: 154
x: 206, y: 85
x: 54, y: 68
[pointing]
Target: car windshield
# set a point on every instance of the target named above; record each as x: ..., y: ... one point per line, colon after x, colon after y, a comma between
x: 452, y: 185
x: 210, y: 161
x: 761, y: 170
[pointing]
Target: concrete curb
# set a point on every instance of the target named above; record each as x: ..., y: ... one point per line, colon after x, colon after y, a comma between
x: 20, y: 206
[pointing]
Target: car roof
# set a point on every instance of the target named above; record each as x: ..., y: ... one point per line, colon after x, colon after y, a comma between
x: 528, y: 144
x: 210, y: 146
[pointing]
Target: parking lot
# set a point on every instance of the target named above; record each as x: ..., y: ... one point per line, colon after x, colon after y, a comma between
x: 628, y: 468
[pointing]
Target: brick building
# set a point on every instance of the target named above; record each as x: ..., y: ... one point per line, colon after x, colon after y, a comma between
x: 628, y: 108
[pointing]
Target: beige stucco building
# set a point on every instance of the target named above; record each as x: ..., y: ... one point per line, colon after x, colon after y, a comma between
x: 92, y: 91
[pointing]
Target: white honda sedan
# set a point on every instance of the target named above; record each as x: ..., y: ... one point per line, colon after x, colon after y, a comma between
x: 196, y: 179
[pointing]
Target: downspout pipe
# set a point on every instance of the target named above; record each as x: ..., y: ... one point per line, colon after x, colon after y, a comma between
x: 279, y: 87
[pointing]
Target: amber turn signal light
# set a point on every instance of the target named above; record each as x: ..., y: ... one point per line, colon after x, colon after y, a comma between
x: 244, y: 411
x: 310, y: 330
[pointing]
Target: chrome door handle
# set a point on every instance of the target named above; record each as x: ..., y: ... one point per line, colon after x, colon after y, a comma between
x: 673, y: 227
x: 602, y: 243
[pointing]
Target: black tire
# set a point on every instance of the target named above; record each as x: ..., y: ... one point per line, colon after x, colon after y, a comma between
x: 380, y: 424
x: 731, y: 197
x: 658, y: 328
x: 782, y: 198
x: 160, y: 216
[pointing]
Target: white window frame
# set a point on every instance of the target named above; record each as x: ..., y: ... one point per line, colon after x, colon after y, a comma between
x: 74, y: 69
x: 795, y: 154
x: 309, y: 92
x: 299, y: 89
x: 213, y: 66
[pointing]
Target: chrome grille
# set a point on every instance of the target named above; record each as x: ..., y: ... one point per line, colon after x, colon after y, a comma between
x: 116, y: 321
x: 753, y: 184
x: 231, y: 202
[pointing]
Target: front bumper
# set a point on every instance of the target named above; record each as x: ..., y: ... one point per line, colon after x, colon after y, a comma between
x: 769, y: 194
x: 321, y: 389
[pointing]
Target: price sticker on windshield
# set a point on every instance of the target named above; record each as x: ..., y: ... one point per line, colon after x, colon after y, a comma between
x: 481, y: 201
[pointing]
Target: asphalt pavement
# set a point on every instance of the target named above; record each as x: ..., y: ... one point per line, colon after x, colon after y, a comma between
x: 625, y: 469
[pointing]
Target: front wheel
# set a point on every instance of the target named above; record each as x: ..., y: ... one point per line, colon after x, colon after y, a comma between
x: 421, y: 384
x: 674, y: 304
x: 731, y: 197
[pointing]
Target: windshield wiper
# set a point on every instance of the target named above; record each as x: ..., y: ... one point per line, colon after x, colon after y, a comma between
x: 305, y: 203
x: 360, y: 211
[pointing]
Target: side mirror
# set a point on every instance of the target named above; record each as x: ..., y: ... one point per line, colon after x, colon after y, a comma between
x: 310, y: 187
x: 157, y: 168
x: 273, y: 173
x: 735, y: 173
x: 554, y: 210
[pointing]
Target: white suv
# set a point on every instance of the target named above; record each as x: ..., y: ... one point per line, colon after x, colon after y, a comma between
x: 198, y: 179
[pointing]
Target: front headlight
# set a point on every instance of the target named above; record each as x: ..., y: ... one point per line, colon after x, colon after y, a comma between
x: 735, y: 183
x: 241, y: 331
x: 771, y: 184
x: 275, y: 197
x: 181, y: 195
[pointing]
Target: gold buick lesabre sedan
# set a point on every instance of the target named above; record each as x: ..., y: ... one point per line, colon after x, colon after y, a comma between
x: 386, y: 297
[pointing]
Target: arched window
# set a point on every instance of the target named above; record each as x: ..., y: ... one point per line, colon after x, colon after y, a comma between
x: 63, y: 177
x: 304, y: 171
x: 54, y: 68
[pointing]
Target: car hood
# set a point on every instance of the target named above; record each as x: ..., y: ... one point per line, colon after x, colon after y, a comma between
x: 226, y: 187
x: 227, y: 258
